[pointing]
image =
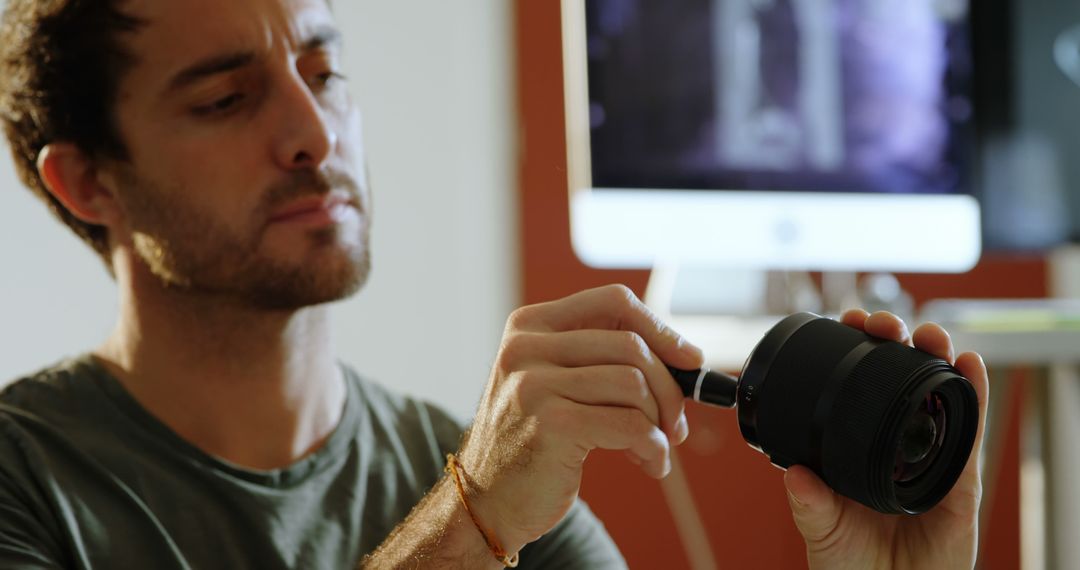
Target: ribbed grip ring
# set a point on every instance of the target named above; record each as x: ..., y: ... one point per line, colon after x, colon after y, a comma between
x: 855, y: 447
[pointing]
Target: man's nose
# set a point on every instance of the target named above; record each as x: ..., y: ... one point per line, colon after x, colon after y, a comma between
x: 304, y: 138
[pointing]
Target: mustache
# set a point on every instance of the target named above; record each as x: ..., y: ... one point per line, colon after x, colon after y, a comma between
x: 304, y: 183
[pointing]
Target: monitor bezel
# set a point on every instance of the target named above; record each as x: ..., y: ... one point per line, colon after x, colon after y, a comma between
x: 841, y: 231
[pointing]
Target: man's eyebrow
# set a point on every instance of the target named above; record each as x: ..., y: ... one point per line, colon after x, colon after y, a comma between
x: 325, y: 36
x: 322, y: 37
x: 213, y: 65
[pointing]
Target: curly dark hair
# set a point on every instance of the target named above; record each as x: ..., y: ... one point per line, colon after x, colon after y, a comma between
x: 61, y: 62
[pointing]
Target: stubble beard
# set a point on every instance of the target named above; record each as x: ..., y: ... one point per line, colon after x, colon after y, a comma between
x: 191, y: 253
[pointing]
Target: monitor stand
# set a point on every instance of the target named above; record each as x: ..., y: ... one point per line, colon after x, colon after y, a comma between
x: 727, y: 311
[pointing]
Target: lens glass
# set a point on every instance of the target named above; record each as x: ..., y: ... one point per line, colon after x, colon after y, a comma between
x: 920, y: 439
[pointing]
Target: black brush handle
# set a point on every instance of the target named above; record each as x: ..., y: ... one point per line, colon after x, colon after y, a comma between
x: 707, y: 386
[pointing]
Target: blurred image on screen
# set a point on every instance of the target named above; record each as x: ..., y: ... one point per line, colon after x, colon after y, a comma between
x: 791, y: 95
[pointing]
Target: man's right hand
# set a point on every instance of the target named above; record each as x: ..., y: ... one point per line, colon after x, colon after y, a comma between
x: 573, y: 375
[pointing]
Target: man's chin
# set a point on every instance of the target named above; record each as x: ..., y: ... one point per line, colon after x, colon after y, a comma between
x: 263, y: 281
x: 306, y: 288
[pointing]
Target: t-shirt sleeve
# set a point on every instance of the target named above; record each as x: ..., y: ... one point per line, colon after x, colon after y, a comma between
x: 579, y: 541
x: 25, y: 543
x: 21, y: 545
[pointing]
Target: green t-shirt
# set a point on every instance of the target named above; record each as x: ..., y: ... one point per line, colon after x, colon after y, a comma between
x: 90, y: 479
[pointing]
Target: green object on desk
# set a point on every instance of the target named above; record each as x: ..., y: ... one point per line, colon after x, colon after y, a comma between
x: 1013, y: 321
x: 1006, y: 316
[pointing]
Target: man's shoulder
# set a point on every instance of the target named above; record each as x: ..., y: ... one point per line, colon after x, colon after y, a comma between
x: 53, y: 389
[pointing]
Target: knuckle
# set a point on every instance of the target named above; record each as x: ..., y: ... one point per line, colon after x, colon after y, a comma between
x: 504, y: 360
x: 620, y: 290
x: 523, y: 381
x: 633, y: 346
x: 638, y: 384
x: 520, y: 318
x: 514, y: 349
x: 525, y: 384
x: 661, y: 327
x: 621, y: 294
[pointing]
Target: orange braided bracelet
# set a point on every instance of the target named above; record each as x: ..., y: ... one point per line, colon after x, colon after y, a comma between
x: 454, y: 468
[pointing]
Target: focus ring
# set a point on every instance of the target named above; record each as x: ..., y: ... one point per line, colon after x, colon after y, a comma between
x: 856, y: 462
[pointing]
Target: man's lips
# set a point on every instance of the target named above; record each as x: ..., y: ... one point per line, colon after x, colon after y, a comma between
x: 314, y: 209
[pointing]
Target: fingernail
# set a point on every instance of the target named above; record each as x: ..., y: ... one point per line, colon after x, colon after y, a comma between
x: 792, y: 495
x: 796, y: 498
x: 690, y: 349
x: 682, y: 429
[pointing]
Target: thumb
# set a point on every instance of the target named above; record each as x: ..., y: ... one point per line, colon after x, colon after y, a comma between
x: 815, y: 507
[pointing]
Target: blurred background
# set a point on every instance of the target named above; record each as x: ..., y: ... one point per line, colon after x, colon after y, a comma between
x: 466, y: 128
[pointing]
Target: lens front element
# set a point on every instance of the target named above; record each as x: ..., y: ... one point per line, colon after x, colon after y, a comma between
x: 921, y: 439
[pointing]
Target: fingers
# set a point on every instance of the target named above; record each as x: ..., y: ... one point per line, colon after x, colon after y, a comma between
x: 581, y: 373
x: 609, y: 385
x: 594, y: 348
x: 931, y: 338
x: 855, y: 318
x: 968, y: 491
x: 888, y: 326
x: 614, y: 307
x: 881, y: 324
x: 972, y: 367
x: 815, y: 508
x: 620, y: 429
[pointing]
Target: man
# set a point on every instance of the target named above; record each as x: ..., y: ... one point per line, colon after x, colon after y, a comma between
x: 209, y: 152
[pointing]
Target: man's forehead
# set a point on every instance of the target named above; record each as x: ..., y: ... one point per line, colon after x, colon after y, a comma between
x: 179, y: 31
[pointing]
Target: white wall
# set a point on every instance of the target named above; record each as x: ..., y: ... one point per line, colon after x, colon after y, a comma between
x: 434, y: 79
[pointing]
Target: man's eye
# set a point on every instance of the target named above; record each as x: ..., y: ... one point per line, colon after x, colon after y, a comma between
x: 221, y: 106
x: 323, y: 80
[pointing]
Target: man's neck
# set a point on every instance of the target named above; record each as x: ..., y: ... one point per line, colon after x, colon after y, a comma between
x: 259, y: 389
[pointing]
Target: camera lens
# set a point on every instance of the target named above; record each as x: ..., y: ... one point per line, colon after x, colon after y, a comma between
x: 880, y: 422
x: 921, y: 439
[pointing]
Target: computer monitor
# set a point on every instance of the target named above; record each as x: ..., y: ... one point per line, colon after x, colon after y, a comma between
x: 832, y: 135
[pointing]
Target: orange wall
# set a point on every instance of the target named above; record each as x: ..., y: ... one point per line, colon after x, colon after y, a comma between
x: 740, y: 496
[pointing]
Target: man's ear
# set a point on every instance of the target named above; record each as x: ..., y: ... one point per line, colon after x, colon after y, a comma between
x: 72, y: 178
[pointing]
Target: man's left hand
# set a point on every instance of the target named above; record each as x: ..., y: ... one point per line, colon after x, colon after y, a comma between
x: 841, y: 533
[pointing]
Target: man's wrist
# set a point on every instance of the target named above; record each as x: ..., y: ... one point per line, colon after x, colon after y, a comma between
x: 438, y: 533
x: 472, y: 526
x: 483, y: 513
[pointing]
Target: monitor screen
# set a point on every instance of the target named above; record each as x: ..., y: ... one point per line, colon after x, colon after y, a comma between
x: 772, y: 134
x: 792, y: 95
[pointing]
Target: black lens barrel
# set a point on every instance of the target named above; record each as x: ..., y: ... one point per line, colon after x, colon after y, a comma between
x: 821, y: 394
